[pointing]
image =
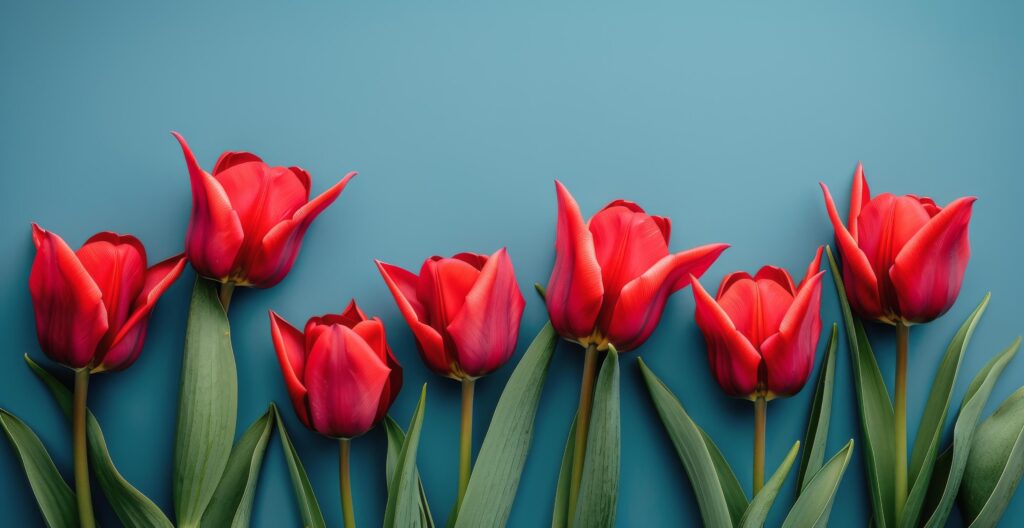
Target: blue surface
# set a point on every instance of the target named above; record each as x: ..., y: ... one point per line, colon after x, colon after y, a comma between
x: 458, y: 118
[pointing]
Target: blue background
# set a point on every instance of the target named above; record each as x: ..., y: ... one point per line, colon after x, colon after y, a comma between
x: 458, y: 117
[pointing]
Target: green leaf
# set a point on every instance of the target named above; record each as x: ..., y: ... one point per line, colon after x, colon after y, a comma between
x: 54, y: 496
x: 129, y: 504
x: 499, y: 465
x: 403, y: 508
x: 599, y: 484
x: 396, y: 439
x: 735, y: 497
x: 876, y: 415
x: 758, y: 510
x: 814, y: 505
x: 232, y: 502
x: 996, y: 463
x: 560, y: 516
x: 207, y: 405
x: 929, y: 432
x: 309, y: 508
x: 964, y: 430
x: 816, y: 438
x: 688, y: 440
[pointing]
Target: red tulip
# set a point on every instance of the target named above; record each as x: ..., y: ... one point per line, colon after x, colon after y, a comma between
x: 464, y: 311
x: 613, y: 274
x: 340, y: 373
x: 92, y: 306
x: 248, y: 218
x: 903, y: 256
x: 762, y: 331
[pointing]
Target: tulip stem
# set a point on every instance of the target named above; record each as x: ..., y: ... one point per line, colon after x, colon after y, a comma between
x: 900, y: 415
x: 760, y: 418
x: 582, y: 427
x: 346, y: 486
x: 79, y: 410
x: 226, y: 290
x: 465, y: 440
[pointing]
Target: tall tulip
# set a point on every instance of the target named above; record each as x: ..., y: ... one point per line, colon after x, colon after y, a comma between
x: 611, y: 280
x: 761, y: 335
x: 92, y: 308
x: 903, y: 261
x: 464, y: 312
x: 341, y: 377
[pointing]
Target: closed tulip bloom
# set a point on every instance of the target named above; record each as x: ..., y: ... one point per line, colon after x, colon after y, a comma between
x: 464, y: 311
x: 762, y: 331
x: 248, y: 218
x: 613, y: 274
x: 903, y: 256
x: 92, y: 306
x: 339, y: 372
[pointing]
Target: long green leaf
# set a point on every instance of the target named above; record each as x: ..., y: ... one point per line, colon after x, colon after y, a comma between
x: 876, y: 415
x: 599, y: 486
x: 232, y: 502
x: 560, y: 515
x: 55, y: 499
x: 816, y: 438
x: 814, y: 505
x: 309, y: 508
x: 129, y: 504
x: 996, y: 463
x: 929, y: 432
x: 403, y: 507
x: 692, y: 449
x: 735, y: 497
x: 396, y: 439
x: 499, y: 465
x: 207, y: 406
x: 964, y: 430
x: 758, y: 510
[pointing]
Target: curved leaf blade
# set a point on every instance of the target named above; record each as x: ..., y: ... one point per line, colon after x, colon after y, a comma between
x: 816, y: 437
x: 309, y: 508
x: 403, y: 494
x: 560, y: 515
x: 813, y: 506
x: 55, y: 499
x: 396, y: 439
x: 232, y: 502
x: 599, y: 484
x: 735, y: 497
x: 758, y: 510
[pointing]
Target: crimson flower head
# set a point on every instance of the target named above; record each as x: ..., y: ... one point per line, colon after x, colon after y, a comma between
x: 92, y: 306
x: 248, y: 218
x: 762, y: 331
x: 339, y: 372
x: 613, y: 274
x: 904, y: 257
x: 464, y: 311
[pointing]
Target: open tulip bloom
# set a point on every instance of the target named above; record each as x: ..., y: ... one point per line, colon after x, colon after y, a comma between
x: 761, y: 334
x: 92, y: 307
x: 341, y: 377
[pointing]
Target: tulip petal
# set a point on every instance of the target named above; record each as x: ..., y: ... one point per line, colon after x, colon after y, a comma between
x: 756, y: 306
x: 215, y: 231
x: 289, y: 343
x: 813, y: 268
x: 263, y: 196
x: 372, y: 331
x: 789, y: 354
x: 279, y: 248
x: 928, y: 271
x: 860, y: 195
x: 403, y: 285
x: 777, y: 275
x: 734, y: 361
x: 230, y: 159
x: 642, y: 300
x: 860, y: 280
x: 70, y: 316
x: 442, y: 289
x: 575, y: 290
x: 117, y: 264
x: 486, y: 329
x: 344, y: 379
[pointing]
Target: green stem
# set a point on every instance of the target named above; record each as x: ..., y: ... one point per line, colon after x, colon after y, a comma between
x: 900, y: 415
x: 226, y: 290
x: 582, y: 427
x: 79, y: 410
x: 346, y: 486
x: 465, y: 440
x: 760, y: 417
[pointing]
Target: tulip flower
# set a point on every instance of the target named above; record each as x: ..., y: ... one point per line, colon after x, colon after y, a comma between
x: 92, y: 308
x: 903, y: 261
x: 761, y: 335
x: 611, y: 280
x: 464, y: 312
x: 248, y: 218
x: 341, y: 377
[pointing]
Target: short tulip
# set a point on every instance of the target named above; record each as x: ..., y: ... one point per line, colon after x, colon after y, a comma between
x: 92, y: 306
x: 248, y: 218
x: 339, y: 372
x: 903, y: 256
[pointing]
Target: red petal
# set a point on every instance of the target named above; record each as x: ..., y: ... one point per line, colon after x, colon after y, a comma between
x: 734, y: 361
x: 642, y: 301
x: 731, y: 279
x: 263, y: 196
x: 860, y: 195
x: 789, y: 354
x: 575, y: 290
x: 929, y: 270
x: 442, y: 289
x: 403, y: 285
x: 485, y: 331
x: 117, y: 264
x: 778, y: 275
x: 756, y: 307
x: 289, y: 344
x: 372, y: 331
x: 860, y: 282
x: 230, y: 159
x: 814, y: 267
x: 70, y: 316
